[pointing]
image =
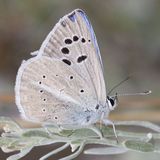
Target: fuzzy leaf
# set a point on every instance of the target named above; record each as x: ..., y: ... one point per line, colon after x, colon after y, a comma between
x: 139, y: 146
x: 10, y: 124
x: 106, y: 151
x: 15, y: 138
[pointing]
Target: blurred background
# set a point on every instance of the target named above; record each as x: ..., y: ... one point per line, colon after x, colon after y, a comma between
x: 128, y: 33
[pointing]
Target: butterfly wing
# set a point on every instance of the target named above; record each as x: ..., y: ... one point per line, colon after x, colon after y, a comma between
x: 50, y: 90
x: 73, y: 40
x: 64, y: 82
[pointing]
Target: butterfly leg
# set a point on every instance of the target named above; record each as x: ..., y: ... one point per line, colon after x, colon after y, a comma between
x: 109, y: 122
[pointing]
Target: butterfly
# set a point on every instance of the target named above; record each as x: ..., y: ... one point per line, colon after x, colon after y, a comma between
x: 63, y: 84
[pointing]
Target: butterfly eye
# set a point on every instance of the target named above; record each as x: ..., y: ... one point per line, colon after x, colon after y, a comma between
x: 111, y: 102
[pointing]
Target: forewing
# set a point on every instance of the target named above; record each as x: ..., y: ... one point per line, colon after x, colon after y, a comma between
x: 73, y: 40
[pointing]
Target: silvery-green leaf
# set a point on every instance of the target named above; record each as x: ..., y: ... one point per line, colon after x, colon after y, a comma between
x: 106, y: 151
x: 6, y: 144
x: 36, y: 133
x: 65, y: 132
x: 5, y: 149
x: 10, y: 124
x: 139, y: 146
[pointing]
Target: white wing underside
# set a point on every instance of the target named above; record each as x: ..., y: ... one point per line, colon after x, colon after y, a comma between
x: 60, y: 82
x: 77, y: 24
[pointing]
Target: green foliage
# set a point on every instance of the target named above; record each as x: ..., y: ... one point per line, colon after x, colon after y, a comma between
x: 15, y: 138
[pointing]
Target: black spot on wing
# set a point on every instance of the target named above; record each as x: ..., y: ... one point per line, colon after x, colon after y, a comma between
x: 83, y: 40
x: 81, y: 58
x: 66, y: 61
x: 81, y: 90
x: 65, y: 50
x: 75, y: 38
x: 71, y: 77
x: 43, y: 109
x: 68, y: 41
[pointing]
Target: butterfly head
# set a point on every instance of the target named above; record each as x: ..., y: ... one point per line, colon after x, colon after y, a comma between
x: 112, y: 102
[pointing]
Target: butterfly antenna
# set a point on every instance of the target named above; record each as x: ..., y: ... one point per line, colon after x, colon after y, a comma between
x: 135, y: 94
x: 117, y: 85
